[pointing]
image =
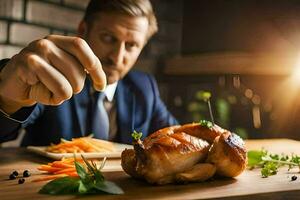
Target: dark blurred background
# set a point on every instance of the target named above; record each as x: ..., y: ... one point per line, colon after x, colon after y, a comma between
x: 245, y: 52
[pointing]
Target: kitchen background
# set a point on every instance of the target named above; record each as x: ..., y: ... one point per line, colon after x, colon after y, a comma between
x: 246, y: 53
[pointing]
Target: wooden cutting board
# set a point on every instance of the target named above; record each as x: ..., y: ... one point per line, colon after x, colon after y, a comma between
x: 275, y: 145
x: 248, y: 185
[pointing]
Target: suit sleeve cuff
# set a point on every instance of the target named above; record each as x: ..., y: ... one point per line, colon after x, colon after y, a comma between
x: 18, y: 117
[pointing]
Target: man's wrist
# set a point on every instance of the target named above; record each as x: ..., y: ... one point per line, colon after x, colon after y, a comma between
x: 6, y: 108
x: 19, y: 116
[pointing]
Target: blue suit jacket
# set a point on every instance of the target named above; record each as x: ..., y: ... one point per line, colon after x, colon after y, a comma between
x: 138, y: 104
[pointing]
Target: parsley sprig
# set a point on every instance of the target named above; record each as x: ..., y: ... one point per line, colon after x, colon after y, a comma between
x: 206, y: 123
x: 136, y: 135
x: 270, y: 163
x: 90, y: 181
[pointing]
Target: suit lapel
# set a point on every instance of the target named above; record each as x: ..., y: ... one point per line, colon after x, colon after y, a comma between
x: 125, y: 101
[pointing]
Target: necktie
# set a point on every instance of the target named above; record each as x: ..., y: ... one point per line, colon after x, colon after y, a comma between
x: 99, y: 124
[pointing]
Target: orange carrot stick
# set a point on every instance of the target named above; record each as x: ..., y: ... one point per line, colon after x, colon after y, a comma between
x: 61, y: 165
x: 48, y: 168
x: 64, y: 171
x: 73, y: 174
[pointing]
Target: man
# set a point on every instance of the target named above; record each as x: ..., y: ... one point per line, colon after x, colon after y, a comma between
x: 48, y: 88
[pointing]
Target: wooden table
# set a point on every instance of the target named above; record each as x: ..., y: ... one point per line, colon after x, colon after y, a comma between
x: 249, y: 185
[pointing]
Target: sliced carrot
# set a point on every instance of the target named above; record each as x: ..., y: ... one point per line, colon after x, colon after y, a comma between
x: 48, y: 168
x: 64, y: 171
x: 73, y: 174
x: 61, y: 165
x: 83, y: 144
x: 61, y: 168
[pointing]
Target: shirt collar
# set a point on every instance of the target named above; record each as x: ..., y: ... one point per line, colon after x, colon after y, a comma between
x: 110, y: 91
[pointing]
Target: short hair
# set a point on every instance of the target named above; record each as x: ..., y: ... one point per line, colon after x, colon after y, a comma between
x: 135, y: 8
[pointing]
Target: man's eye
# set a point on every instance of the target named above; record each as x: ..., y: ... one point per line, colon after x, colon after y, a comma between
x: 108, y: 38
x: 130, y: 45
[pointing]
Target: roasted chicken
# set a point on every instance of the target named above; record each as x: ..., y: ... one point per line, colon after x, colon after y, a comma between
x: 187, y: 153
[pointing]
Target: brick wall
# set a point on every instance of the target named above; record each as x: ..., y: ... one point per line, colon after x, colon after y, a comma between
x: 22, y: 21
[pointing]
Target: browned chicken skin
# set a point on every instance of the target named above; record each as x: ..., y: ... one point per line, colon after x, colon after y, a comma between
x: 228, y: 154
x: 187, y: 153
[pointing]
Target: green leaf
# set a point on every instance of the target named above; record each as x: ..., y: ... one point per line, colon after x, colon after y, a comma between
x: 108, y: 187
x: 90, y: 168
x: 206, y: 123
x: 270, y: 163
x: 269, y: 169
x: 86, y: 186
x: 90, y: 181
x: 82, y: 189
x: 82, y: 173
x: 295, y: 159
x: 255, y: 157
x: 86, y: 181
x: 99, y: 176
x: 64, y: 185
x: 136, y: 135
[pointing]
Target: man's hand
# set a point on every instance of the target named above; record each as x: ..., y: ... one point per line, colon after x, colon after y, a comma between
x: 48, y: 71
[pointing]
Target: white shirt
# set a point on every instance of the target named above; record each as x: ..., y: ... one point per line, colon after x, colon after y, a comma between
x: 110, y: 107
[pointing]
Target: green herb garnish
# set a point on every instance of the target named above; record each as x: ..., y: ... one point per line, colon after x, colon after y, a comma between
x: 270, y: 163
x: 206, y: 123
x: 205, y: 96
x: 136, y: 135
x: 90, y: 181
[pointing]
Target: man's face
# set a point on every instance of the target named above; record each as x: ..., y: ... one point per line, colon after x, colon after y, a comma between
x: 117, y: 40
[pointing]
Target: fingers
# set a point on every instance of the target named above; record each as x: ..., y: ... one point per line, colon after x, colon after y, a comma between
x: 69, y: 67
x: 51, y: 70
x: 40, y: 93
x: 53, y: 88
x: 65, y: 63
x: 81, y: 50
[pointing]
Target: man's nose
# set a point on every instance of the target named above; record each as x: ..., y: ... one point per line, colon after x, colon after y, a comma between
x: 118, y: 54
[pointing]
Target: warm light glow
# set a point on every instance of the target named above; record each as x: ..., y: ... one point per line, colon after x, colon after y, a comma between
x: 256, y: 99
x: 295, y: 77
x: 256, y: 117
x: 286, y: 99
x: 249, y: 93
